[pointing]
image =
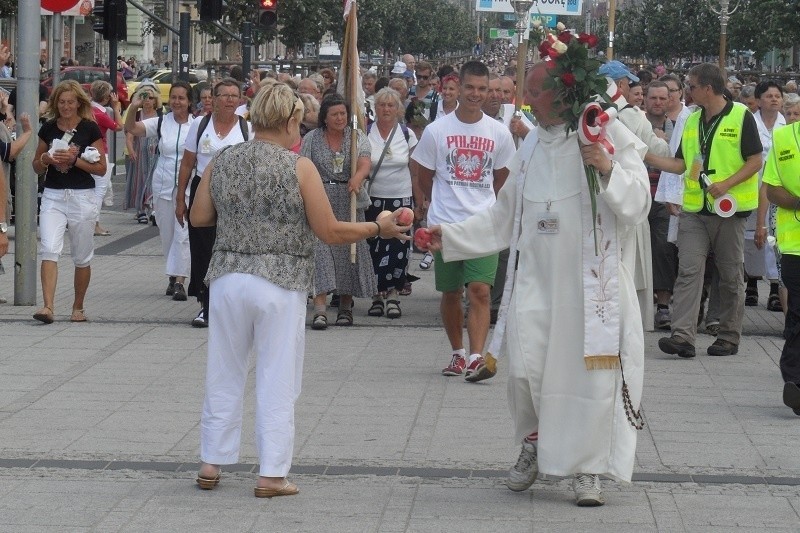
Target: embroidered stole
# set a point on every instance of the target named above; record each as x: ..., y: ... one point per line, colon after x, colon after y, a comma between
x: 600, y: 274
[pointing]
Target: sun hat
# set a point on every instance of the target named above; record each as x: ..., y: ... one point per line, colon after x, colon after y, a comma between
x: 399, y: 68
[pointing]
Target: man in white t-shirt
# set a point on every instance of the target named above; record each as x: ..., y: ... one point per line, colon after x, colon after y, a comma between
x: 463, y: 160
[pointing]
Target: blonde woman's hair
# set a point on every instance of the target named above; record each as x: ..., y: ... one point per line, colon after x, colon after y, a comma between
x: 388, y: 94
x: 100, y: 90
x: 66, y: 86
x: 273, y: 106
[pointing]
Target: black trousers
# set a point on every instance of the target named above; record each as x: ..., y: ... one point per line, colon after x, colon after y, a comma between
x: 201, y: 245
x: 790, y: 356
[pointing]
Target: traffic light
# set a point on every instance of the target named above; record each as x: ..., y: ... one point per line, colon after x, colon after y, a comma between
x: 210, y: 10
x: 99, y: 16
x: 268, y: 14
x: 110, y: 19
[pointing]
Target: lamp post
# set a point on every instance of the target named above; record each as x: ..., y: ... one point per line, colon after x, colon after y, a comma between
x: 721, y: 8
x: 522, y: 9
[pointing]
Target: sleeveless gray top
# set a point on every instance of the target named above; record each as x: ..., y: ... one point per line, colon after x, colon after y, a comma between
x: 261, y: 219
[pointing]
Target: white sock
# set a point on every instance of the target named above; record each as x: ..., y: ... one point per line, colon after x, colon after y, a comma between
x: 461, y: 351
x: 473, y: 357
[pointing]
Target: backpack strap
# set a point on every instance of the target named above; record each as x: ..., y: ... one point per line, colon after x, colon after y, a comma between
x: 244, y: 128
x: 434, y: 107
x: 202, y: 127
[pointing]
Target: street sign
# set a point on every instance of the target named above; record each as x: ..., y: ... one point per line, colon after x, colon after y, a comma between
x: 68, y: 8
x: 57, y: 6
x: 553, y: 7
x: 548, y: 21
x: 501, y: 33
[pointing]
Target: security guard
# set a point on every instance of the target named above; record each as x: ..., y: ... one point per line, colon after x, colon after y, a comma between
x: 719, y: 156
x: 782, y: 180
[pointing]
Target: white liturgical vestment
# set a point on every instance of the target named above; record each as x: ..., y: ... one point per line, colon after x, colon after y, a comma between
x: 578, y: 413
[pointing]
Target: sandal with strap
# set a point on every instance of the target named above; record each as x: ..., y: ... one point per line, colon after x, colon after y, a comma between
x: 320, y: 321
x: 77, y: 316
x: 376, y: 309
x: 344, y: 318
x: 45, y: 314
x: 774, y: 303
x: 393, y: 309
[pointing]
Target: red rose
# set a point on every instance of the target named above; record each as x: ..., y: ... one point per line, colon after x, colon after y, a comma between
x: 568, y: 79
x: 544, y: 49
x: 565, y: 37
x: 587, y: 39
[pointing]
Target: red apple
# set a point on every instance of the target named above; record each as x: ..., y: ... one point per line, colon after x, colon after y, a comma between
x: 383, y: 214
x: 422, y: 239
x: 405, y: 217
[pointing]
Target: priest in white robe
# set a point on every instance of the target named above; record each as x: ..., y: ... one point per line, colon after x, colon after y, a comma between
x: 572, y: 323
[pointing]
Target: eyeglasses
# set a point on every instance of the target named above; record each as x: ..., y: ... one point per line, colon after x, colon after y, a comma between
x: 228, y: 96
x: 294, y: 106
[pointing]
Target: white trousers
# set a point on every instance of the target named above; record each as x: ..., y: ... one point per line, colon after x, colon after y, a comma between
x: 72, y: 211
x: 101, y: 184
x: 174, y: 238
x: 252, y: 314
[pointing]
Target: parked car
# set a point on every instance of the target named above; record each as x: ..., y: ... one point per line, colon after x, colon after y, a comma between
x: 85, y: 76
x: 163, y: 80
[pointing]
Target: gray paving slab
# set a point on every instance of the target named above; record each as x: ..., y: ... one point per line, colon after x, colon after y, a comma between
x: 99, y: 425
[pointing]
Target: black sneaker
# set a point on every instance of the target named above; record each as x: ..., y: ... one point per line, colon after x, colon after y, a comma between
x: 751, y: 298
x: 179, y: 293
x: 200, y: 321
x: 676, y: 345
x: 171, y: 286
x: 722, y: 347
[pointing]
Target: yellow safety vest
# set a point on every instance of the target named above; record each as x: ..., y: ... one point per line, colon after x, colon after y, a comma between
x: 783, y: 168
x: 725, y: 158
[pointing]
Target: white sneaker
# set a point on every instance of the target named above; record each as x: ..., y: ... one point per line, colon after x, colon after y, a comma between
x: 587, y: 490
x: 524, y: 473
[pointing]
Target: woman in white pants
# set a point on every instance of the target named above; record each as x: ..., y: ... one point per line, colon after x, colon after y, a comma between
x: 268, y: 204
x: 103, y: 95
x: 171, y: 131
x: 68, y: 201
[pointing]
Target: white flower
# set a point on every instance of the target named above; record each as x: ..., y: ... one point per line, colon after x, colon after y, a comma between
x: 537, y: 23
x: 559, y: 47
x: 560, y: 26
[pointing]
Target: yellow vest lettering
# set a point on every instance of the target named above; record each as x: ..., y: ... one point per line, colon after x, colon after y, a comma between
x: 783, y: 164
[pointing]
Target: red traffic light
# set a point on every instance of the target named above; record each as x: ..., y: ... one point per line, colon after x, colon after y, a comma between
x: 268, y: 4
x: 268, y: 13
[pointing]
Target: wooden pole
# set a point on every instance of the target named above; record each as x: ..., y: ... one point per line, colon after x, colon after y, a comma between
x: 612, y: 14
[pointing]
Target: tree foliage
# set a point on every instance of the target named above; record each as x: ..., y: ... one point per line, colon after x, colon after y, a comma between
x: 669, y: 29
x: 8, y: 8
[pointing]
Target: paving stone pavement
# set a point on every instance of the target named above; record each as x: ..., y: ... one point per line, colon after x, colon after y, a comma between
x: 99, y: 425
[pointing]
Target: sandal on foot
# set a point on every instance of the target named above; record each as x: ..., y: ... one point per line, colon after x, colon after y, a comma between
x: 208, y: 483
x: 344, y: 318
x: 393, y: 309
x: 320, y: 321
x: 45, y: 314
x: 426, y: 261
x: 288, y: 489
x: 77, y: 316
x: 406, y: 290
x: 774, y: 303
x: 376, y: 309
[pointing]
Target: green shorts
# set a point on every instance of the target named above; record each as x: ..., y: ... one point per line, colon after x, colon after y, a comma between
x: 454, y: 275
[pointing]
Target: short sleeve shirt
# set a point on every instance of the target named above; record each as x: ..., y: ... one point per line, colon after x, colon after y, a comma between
x: 210, y: 143
x: 85, y: 134
x: 464, y: 158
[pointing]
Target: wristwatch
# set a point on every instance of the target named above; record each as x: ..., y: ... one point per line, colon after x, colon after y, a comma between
x: 3, y: 228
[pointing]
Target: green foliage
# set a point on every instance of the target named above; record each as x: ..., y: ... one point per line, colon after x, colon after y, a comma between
x: 668, y: 29
x: 8, y: 8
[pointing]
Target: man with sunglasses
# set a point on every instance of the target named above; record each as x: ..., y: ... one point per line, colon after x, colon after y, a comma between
x: 424, y: 100
x: 719, y: 155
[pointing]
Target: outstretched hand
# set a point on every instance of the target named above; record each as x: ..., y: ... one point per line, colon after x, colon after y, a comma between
x: 434, y: 238
x: 392, y: 229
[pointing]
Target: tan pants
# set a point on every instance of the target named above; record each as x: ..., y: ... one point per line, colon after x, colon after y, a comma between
x: 696, y: 235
